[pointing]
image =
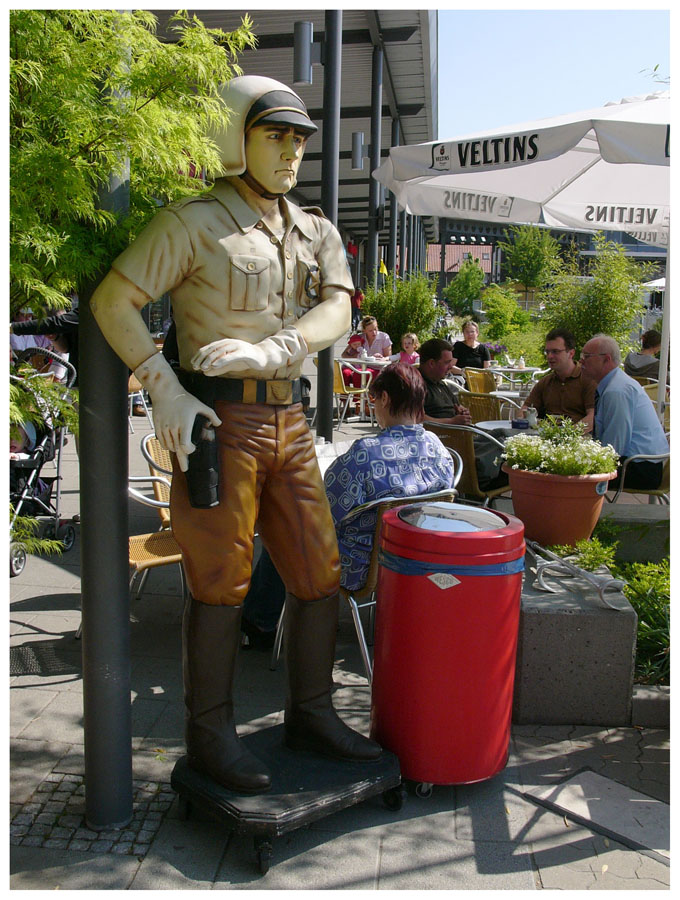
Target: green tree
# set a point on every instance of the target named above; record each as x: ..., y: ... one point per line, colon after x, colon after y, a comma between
x: 503, y: 315
x: 90, y: 90
x: 532, y: 256
x: 402, y: 306
x: 608, y: 300
x: 465, y: 288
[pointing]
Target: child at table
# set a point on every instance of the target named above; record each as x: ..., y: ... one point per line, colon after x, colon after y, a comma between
x: 408, y: 355
x: 355, y: 349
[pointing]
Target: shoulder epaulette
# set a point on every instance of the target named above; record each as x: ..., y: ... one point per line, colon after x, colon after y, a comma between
x: 186, y: 201
x: 314, y: 211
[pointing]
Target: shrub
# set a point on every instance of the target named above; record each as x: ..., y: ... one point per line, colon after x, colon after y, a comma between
x: 610, y: 301
x: 531, y: 256
x: 401, y: 306
x: 503, y: 315
x: 648, y: 590
x: 465, y: 288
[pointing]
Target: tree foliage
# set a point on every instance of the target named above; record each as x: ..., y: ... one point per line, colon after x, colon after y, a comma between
x: 608, y: 300
x: 503, y: 315
x: 532, y: 255
x: 465, y: 288
x: 403, y: 306
x: 92, y: 91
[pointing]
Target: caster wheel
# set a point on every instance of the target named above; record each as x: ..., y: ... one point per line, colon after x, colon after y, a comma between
x: 263, y: 849
x: 424, y: 789
x: 17, y: 560
x: 394, y: 798
x: 183, y: 808
x: 67, y: 535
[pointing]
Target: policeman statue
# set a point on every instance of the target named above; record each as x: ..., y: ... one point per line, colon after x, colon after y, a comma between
x: 256, y: 284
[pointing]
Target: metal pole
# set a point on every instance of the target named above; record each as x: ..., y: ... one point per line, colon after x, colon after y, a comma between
x: 329, y: 194
x: 392, y: 245
x: 104, y: 564
x: 402, y: 243
x: 443, y: 240
x: 374, y: 186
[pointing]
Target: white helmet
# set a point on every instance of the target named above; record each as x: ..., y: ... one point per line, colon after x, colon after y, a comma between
x: 254, y: 100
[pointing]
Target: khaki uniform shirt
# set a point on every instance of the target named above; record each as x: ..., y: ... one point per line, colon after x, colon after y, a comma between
x: 229, y: 276
x: 572, y: 397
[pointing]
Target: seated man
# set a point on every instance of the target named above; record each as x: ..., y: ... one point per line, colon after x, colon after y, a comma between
x: 565, y: 391
x: 441, y: 397
x: 624, y: 415
x: 442, y: 406
x: 403, y: 460
x: 644, y: 364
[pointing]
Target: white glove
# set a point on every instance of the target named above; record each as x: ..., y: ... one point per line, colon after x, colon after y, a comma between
x: 174, y: 410
x: 233, y: 356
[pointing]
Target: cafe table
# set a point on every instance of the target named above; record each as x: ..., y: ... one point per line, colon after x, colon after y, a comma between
x: 494, y: 425
x: 513, y: 371
x: 362, y: 363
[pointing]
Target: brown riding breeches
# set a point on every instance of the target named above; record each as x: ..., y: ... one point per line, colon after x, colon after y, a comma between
x: 269, y: 482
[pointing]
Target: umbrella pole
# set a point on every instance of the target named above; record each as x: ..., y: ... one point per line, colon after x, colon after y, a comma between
x: 665, y: 339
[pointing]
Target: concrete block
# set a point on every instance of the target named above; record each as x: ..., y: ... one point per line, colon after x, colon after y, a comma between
x: 575, y: 656
x: 642, y: 530
x: 651, y: 706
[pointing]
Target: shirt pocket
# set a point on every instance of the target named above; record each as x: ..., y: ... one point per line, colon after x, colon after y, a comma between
x: 249, y: 279
x: 308, y: 283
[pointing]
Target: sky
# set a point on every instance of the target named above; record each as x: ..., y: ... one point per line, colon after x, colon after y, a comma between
x: 507, y: 66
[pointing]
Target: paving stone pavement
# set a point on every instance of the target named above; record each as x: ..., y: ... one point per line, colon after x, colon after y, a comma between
x: 54, y: 817
x: 465, y: 837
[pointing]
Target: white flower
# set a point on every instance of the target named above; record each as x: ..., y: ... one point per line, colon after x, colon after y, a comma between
x: 561, y: 448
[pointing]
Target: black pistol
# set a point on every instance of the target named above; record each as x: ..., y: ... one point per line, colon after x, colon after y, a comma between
x: 203, y: 473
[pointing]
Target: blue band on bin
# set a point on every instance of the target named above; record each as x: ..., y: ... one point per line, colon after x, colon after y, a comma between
x: 416, y: 567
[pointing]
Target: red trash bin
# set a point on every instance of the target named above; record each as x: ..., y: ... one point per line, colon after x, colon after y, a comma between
x: 446, y: 626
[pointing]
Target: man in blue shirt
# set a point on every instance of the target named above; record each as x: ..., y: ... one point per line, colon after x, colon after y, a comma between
x: 624, y: 415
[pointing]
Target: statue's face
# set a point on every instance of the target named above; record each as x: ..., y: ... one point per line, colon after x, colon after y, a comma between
x: 273, y: 156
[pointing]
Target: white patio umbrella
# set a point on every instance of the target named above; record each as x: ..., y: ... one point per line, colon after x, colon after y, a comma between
x: 602, y: 169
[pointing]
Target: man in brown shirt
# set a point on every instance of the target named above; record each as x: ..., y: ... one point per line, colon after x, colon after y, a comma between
x: 566, y: 390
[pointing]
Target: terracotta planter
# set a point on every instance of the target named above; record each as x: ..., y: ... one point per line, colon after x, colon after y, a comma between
x: 557, y: 509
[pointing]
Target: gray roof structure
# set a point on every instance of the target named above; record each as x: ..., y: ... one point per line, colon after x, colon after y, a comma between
x: 409, y: 41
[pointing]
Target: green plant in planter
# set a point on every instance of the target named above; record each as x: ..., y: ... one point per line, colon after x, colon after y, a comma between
x: 648, y: 591
x: 560, y: 448
x: 589, y: 555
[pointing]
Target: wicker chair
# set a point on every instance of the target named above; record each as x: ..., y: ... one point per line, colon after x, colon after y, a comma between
x: 480, y: 381
x: 459, y: 438
x: 486, y: 407
x: 159, y: 461
x: 344, y: 394
x: 662, y: 492
x: 136, y: 395
x: 652, y: 391
x: 364, y: 597
x: 150, y: 551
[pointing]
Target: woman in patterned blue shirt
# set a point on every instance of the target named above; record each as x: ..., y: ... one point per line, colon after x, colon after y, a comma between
x: 402, y: 459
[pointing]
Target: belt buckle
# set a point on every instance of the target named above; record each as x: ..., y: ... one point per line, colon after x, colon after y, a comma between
x: 279, y: 392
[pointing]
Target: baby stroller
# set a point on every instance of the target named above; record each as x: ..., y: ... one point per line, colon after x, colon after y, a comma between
x: 33, y: 493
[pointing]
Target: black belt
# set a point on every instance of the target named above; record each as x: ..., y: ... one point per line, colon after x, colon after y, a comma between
x: 275, y: 392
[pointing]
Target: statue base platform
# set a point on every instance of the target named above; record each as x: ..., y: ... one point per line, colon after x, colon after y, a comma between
x: 305, y: 787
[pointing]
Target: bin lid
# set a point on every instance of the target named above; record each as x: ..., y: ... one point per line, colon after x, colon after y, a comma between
x: 452, y: 517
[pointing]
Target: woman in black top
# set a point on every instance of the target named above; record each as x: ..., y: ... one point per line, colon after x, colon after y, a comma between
x: 469, y: 353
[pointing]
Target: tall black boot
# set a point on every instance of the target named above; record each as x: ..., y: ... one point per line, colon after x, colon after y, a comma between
x: 211, y: 638
x: 311, y: 723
